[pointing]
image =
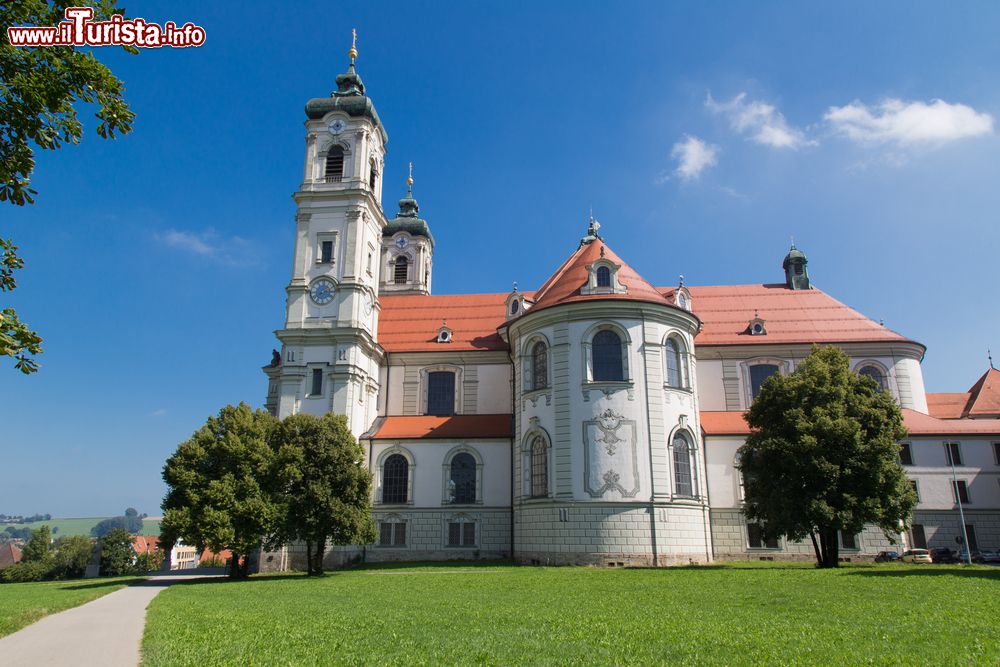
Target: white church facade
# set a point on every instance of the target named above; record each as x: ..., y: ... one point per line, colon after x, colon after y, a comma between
x: 595, y: 419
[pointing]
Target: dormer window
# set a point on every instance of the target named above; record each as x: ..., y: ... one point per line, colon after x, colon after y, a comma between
x: 603, y: 276
x: 334, y: 171
x: 682, y: 297
x: 603, y: 279
x: 444, y: 334
x: 515, y: 307
x: 756, y: 326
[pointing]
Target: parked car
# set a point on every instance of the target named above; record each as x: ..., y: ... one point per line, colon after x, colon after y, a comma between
x: 943, y: 555
x: 887, y: 557
x: 963, y: 555
x: 917, y: 556
x: 988, y: 556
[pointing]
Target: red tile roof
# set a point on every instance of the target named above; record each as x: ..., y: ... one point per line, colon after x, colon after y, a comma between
x: 986, y: 395
x: 948, y: 405
x: 223, y: 555
x: 565, y: 284
x: 411, y: 323
x: 455, y: 426
x: 917, y: 423
x: 790, y: 316
x: 144, y: 543
x: 9, y: 554
x: 982, y: 400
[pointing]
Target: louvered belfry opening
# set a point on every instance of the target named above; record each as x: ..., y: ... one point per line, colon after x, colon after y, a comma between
x: 400, y: 271
x: 334, y: 165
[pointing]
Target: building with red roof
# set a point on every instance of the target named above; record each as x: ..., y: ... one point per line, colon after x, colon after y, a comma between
x: 595, y: 419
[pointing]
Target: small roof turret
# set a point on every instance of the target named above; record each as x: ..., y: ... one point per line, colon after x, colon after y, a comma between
x: 407, y: 219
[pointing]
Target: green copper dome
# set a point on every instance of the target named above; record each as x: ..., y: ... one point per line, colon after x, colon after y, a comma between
x: 407, y: 221
x: 349, y: 98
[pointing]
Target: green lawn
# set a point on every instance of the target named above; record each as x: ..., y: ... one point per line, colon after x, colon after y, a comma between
x: 81, y: 525
x: 23, y: 604
x: 505, y: 615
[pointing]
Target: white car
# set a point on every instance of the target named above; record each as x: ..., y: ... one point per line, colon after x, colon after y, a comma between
x: 917, y: 556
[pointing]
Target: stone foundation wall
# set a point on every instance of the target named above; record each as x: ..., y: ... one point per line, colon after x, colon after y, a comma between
x: 942, y: 527
x: 616, y: 534
x: 729, y: 536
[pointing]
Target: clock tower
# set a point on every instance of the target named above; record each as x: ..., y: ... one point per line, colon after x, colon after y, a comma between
x: 329, y: 358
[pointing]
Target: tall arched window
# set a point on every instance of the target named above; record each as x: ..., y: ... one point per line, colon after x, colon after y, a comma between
x: 875, y: 373
x: 607, y: 356
x: 539, y: 468
x: 334, y: 172
x: 395, y: 479
x: 539, y: 366
x: 372, y: 177
x: 462, y: 481
x: 673, y: 350
x: 400, y: 272
x: 683, y: 482
x: 759, y: 373
x: 603, y: 276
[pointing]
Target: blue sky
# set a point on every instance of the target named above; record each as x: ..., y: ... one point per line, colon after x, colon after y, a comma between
x: 704, y: 135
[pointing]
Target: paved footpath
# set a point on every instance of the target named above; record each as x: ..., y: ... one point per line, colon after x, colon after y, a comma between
x: 105, y: 632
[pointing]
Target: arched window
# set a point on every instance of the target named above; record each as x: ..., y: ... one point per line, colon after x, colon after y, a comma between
x: 673, y: 350
x: 462, y: 481
x: 875, y: 373
x: 539, y: 366
x: 603, y: 276
x: 395, y: 479
x: 539, y: 468
x: 400, y: 272
x: 334, y: 172
x: 372, y: 177
x: 683, y: 483
x: 759, y: 373
x: 607, y: 356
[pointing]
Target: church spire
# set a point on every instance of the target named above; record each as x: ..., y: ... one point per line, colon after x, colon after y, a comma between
x: 350, y: 83
x: 592, y: 230
x: 408, y: 206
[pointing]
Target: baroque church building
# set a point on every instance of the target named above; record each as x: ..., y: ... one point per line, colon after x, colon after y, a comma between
x: 595, y: 419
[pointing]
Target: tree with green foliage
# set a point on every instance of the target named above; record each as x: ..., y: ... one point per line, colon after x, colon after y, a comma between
x: 38, y: 89
x: 219, y: 492
x: 131, y: 523
x: 72, y: 554
x: 149, y: 561
x: 324, y: 488
x: 823, y: 456
x: 39, y: 547
x: 117, y: 555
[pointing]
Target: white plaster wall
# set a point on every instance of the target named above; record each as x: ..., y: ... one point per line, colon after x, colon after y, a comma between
x: 711, y: 393
x: 909, y: 370
x: 429, y: 476
x: 933, y: 475
x: 723, y: 478
x: 494, y: 389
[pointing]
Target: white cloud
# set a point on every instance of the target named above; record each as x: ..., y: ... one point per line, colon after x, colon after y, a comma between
x: 693, y: 157
x: 908, y: 123
x: 158, y: 413
x: 231, y: 251
x: 761, y: 121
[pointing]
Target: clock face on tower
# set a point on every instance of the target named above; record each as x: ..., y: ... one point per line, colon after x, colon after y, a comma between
x: 337, y: 126
x: 368, y: 305
x: 402, y: 242
x: 322, y: 291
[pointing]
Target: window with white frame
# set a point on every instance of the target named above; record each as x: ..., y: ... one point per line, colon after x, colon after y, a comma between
x: 395, y: 480
x: 539, y: 366
x: 953, y: 453
x: 606, y: 349
x: 757, y: 540
x: 462, y: 479
x: 539, y: 467
x: 675, y: 353
x: 683, y: 468
x: 316, y: 388
x: 461, y: 532
x: 848, y: 540
x: 759, y: 373
x: 333, y: 171
x: 905, y: 454
x: 441, y: 393
x: 392, y: 533
x: 876, y: 373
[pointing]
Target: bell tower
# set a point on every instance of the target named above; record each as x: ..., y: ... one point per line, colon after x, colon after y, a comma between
x: 796, y: 273
x: 329, y: 359
x: 407, y: 249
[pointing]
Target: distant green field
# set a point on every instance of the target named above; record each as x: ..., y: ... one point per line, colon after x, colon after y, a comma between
x: 80, y: 526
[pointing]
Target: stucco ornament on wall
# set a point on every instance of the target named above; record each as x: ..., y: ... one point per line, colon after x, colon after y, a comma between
x: 610, y: 458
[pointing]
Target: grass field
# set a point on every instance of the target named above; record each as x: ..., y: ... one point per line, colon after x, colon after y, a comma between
x: 23, y: 604
x: 454, y: 614
x: 81, y: 526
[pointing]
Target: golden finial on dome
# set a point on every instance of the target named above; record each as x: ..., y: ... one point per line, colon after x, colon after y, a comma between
x: 353, y: 53
x: 409, y: 180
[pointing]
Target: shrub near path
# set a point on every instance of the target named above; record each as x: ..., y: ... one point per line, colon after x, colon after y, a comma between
x: 531, y: 615
x: 23, y: 604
